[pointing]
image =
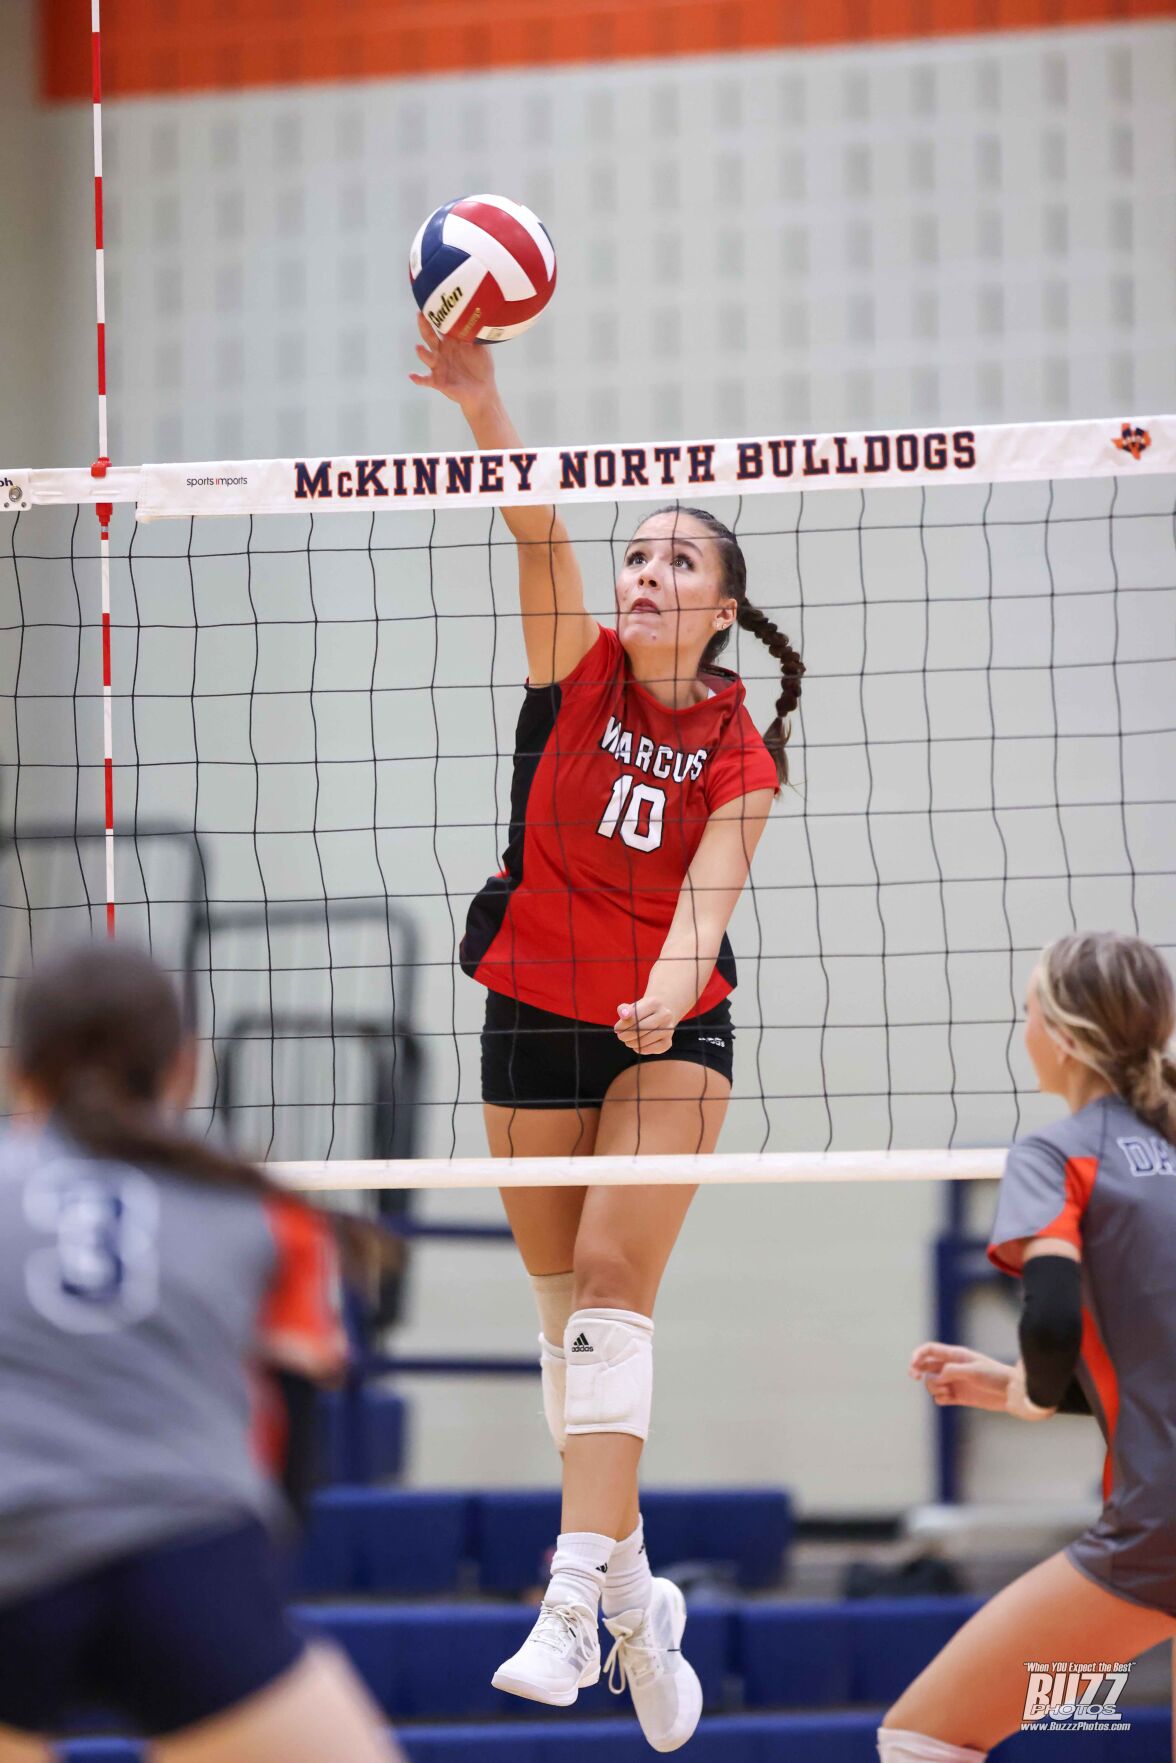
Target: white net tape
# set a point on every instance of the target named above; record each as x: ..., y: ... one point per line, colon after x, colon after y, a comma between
x: 719, y: 1169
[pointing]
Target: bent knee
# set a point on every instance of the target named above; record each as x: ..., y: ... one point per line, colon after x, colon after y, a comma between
x: 606, y: 1280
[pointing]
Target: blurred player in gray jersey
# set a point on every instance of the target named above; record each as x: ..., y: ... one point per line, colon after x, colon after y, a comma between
x: 1087, y: 1220
x: 145, y: 1279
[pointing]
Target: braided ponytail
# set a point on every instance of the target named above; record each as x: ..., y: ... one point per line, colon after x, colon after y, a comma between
x: 750, y: 618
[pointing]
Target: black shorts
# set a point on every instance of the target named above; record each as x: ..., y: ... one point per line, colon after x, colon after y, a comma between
x: 162, y: 1639
x: 534, y: 1059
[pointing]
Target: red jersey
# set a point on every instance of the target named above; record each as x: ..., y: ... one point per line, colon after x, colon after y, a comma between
x: 611, y: 795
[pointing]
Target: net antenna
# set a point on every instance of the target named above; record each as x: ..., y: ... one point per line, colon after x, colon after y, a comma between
x: 104, y: 510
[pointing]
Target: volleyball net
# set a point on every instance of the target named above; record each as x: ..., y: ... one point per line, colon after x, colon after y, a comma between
x: 315, y: 669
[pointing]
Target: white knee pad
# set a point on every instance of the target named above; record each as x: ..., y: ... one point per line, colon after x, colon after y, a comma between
x: 912, y: 1747
x: 609, y: 1356
x: 553, y: 1299
x: 553, y: 1367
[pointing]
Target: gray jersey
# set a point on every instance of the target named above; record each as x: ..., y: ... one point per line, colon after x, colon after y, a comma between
x: 133, y: 1309
x: 1105, y: 1182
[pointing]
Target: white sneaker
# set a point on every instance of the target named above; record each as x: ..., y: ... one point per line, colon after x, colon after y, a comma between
x: 559, y: 1658
x: 647, y: 1655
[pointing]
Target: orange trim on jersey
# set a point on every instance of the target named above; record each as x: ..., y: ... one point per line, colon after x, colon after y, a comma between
x: 1081, y: 1173
x: 299, y: 1326
x: 1098, y: 1362
x: 208, y: 46
x: 268, y: 1423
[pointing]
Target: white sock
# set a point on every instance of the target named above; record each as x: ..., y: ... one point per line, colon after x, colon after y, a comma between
x: 628, y: 1585
x: 912, y: 1747
x: 578, y: 1569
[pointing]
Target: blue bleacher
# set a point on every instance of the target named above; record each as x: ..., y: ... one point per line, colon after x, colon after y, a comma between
x: 421, y: 1661
x: 783, y: 1682
x: 796, y: 1738
x: 390, y: 1540
x: 829, y: 1738
x: 405, y: 1542
x: 439, y: 1658
x: 820, y: 1654
x: 101, y: 1751
x: 767, y: 1738
x: 787, y: 1655
x: 747, y: 1529
x: 363, y: 1437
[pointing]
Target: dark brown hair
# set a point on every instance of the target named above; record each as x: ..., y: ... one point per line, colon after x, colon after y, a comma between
x: 758, y: 624
x: 97, y: 1029
x: 1112, y: 997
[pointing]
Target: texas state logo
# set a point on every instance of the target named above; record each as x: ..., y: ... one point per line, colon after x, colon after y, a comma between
x: 1132, y: 440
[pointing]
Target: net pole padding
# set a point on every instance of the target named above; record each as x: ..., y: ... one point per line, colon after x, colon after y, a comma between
x: 717, y: 1170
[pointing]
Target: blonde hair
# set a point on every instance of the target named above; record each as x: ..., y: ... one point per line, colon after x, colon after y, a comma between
x: 1111, y: 999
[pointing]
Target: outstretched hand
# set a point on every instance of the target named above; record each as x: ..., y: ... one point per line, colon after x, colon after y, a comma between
x: 956, y: 1377
x: 463, y: 372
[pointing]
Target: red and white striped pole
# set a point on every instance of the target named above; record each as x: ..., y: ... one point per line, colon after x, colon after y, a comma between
x: 104, y: 510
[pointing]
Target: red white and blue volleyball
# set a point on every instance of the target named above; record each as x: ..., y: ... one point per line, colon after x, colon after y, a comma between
x: 482, y: 269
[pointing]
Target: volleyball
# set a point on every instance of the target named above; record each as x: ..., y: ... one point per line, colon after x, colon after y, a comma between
x: 482, y: 269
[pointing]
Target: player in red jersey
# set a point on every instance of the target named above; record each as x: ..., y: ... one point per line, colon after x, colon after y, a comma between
x: 641, y: 789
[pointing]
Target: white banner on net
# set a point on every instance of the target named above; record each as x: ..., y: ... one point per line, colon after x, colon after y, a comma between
x: 663, y: 470
x: 720, y: 1168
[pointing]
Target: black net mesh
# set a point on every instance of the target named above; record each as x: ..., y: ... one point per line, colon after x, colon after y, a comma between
x: 313, y: 732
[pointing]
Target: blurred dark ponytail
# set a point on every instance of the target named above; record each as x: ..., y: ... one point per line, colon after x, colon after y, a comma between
x: 97, y: 1029
x: 757, y: 624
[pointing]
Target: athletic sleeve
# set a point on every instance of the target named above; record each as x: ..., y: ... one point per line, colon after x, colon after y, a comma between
x: 1043, y: 1193
x: 741, y: 764
x: 300, y: 1327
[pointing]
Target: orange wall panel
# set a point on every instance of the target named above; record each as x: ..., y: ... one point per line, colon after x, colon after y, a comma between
x: 169, y: 46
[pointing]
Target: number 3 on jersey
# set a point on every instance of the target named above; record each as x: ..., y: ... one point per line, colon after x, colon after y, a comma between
x: 637, y: 811
x: 101, y: 1271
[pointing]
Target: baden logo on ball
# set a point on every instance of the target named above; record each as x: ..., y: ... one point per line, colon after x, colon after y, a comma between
x: 482, y: 269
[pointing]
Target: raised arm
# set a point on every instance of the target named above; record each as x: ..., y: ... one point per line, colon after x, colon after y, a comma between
x: 557, y: 631
x: 706, y: 901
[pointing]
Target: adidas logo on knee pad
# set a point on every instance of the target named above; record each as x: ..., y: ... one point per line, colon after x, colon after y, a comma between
x: 609, y: 1372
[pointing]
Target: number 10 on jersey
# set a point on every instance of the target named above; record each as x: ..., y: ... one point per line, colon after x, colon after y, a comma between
x: 636, y: 811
